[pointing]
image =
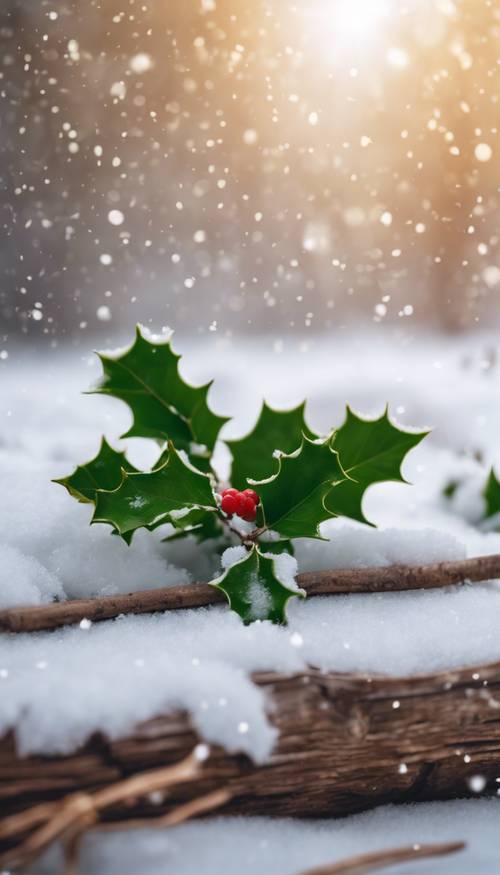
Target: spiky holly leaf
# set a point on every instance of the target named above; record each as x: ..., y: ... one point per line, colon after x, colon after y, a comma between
x: 202, y: 524
x: 147, y: 500
x: 274, y: 430
x: 293, y: 500
x: 254, y: 590
x: 277, y: 547
x: 104, y: 471
x: 492, y: 495
x: 371, y: 451
x: 146, y: 376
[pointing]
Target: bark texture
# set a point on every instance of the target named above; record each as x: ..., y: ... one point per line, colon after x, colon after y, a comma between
x: 346, y: 743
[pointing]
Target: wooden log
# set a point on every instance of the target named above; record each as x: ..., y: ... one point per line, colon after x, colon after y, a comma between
x: 346, y: 743
x: 392, y: 578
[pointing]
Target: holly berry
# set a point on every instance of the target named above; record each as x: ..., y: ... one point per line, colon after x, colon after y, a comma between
x: 253, y: 495
x: 250, y: 511
x: 244, y: 504
x: 228, y: 504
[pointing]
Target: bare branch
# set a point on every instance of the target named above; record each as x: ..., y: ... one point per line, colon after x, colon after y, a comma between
x: 79, y: 812
x: 380, y: 859
x: 392, y: 578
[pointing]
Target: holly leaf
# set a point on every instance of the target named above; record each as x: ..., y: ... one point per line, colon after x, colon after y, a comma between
x: 203, y: 524
x: 254, y: 589
x: 165, y: 407
x: 148, y: 499
x: 293, y: 500
x: 104, y: 471
x: 371, y: 451
x: 277, y: 547
x: 274, y: 430
x: 492, y: 495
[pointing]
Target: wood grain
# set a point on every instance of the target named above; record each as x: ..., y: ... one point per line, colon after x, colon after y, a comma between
x: 346, y: 743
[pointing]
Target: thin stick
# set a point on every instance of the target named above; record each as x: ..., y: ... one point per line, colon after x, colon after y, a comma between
x: 78, y: 812
x: 201, y: 805
x: 27, y: 819
x: 180, y: 814
x: 390, y: 578
x: 380, y: 859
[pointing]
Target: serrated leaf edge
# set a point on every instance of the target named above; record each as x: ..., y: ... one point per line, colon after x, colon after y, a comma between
x: 265, y: 406
x: 216, y: 582
x: 167, y: 342
x: 399, y: 428
x: 126, y: 475
x: 62, y: 481
x: 296, y: 453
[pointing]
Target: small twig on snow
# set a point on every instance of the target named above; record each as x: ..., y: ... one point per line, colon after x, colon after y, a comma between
x: 389, y: 578
x: 380, y: 859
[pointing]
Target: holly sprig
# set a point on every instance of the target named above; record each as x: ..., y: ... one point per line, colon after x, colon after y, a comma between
x: 286, y: 480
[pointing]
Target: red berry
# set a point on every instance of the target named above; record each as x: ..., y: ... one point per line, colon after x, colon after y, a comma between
x: 229, y: 491
x: 253, y: 495
x: 241, y: 503
x: 229, y: 504
x: 250, y: 510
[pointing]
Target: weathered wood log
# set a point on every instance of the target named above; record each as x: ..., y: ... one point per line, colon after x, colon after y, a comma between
x: 392, y: 578
x: 346, y: 743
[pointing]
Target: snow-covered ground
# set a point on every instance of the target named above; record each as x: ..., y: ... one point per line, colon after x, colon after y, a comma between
x: 223, y: 846
x: 134, y: 667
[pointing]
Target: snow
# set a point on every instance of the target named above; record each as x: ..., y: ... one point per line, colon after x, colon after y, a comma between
x: 233, y: 555
x: 352, y: 546
x: 285, y: 568
x: 25, y: 581
x: 59, y: 688
x: 58, y: 553
x: 133, y: 668
x: 288, y: 847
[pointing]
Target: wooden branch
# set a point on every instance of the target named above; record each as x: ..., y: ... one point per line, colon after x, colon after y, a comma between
x: 346, y: 743
x: 194, y: 808
x: 392, y: 578
x: 380, y: 859
x: 79, y: 812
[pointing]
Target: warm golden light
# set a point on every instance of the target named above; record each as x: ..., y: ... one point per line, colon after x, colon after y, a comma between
x: 343, y: 24
x: 357, y: 19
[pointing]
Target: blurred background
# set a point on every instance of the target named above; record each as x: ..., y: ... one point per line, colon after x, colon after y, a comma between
x: 241, y: 167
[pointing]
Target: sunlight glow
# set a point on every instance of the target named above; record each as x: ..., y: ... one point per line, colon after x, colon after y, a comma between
x: 340, y: 26
x: 356, y: 19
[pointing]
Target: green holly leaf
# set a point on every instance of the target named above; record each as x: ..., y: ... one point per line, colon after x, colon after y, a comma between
x: 104, y: 471
x: 165, y: 407
x: 274, y: 430
x: 293, y: 500
x: 202, y: 524
x: 147, y: 500
x: 492, y: 495
x: 371, y: 451
x: 254, y: 589
x: 277, y: 547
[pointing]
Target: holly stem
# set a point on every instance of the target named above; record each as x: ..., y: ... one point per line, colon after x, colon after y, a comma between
x: 248, y: 539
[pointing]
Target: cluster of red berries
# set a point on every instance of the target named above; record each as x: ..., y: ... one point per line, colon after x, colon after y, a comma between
x: 244, y: 504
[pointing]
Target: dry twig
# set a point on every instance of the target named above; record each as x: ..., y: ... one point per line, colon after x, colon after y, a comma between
x: 363, y: 863
x: 392, y: 578
x: 76, y: 814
